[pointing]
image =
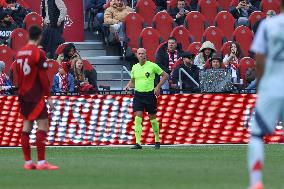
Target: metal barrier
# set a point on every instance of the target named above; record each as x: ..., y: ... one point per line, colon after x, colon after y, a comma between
x: 180, y: 80
x: 124, y: 69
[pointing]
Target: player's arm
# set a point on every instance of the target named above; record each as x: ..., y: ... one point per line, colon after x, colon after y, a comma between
x: 165, y: 77
x: 130, y: 84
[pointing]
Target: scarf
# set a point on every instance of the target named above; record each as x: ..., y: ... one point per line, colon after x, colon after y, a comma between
x: 64, y: 82
x: 2, y: 78
x: 172, y: 59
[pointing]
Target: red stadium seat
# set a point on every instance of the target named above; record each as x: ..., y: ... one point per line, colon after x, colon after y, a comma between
x: 160, y: 46
x: 7, y: 55
x: 234, y: 3
x: 150, y: 39
x: 196, y: 24
x: 226, y: 48
x: 183, y: 36
x: 18, y: 39
x: 147, y: 10
x: 245, y: 63
x: 164, y: 23
x: 266, y: 5
x: 255, y: 16
x: 226, y: 22
x: 14, y: 74
x: 59, y: 49
x: 33, y: 19
x: 53, y: 67
x: 209, y: 8
x: 224, y: 4
x: 244, y: 36
x: 194, y: 47
x: 215, y: 35
x: 133, y: 27
x: 23, y: 4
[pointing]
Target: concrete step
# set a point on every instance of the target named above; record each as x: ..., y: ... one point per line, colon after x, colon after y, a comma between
x: 88, y: 53
x: 90, y: 45
x: 112, y: 75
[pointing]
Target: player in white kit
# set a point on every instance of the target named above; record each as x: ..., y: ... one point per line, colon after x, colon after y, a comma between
x: 268, y: 45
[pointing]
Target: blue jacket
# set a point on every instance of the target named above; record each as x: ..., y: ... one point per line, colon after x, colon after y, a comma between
x: 55, y: 85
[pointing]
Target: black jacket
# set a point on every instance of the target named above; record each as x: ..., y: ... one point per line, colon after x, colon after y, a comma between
x: 18, y: 14
x: 97, y: 4
x: 91, y: 75
x: 237, y: 13
x: 180, y: 20
x: 162, y: 57
x: 187, y: 83
x: 5, y: 32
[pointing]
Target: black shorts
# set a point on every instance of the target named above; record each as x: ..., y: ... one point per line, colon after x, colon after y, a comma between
x: 33, y: 110
x: 145, y: 101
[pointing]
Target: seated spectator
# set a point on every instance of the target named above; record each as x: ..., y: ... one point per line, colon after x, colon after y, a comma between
x: 114, y: 16
x: 269, y: 14
x: 5, y: 84
x: 17, y: 12
x: 69, y: 54
x: 63, y: 81
x: 6, y: 27
x: 215, y: 62
x: 180, y: 12
x: 205, y: 53
x: 231, y: 60
x: 96, y: 9
x: 191, y: 69
x: 242, y: 12
x: 167, y: 55
x: 161, y: 5
x: 84, y: 80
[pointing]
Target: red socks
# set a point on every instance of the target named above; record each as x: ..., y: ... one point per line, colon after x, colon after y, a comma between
x: 25, y: 141
x: 40, y: 144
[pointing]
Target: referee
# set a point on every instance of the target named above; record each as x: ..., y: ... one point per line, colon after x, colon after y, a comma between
x: 142, y: 80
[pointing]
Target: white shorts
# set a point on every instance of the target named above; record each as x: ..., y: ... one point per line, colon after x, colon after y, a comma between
x: 268, y: 111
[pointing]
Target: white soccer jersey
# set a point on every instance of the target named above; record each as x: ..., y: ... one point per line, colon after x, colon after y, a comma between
x: 269, y: 40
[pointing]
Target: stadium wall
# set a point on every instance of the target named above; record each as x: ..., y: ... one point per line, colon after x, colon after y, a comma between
x: 108, y: 120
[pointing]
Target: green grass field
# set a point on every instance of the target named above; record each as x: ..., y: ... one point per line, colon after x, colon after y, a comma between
x: 195, y: 167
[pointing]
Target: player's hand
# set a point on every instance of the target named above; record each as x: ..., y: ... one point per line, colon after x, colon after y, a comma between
x: 157, y: 91
x: 127, y: 88
x: 51, y: 105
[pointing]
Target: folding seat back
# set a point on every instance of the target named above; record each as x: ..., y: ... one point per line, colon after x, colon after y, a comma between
x: 245, y: 64
x: 164, y: 23
x: 33, y: 19
x: 196, y: 23
x: 226, y: 48
x: 255, y: 16
x: 52, y: 69
x: 7, y: 55
x: 244, y: 36
x: 18, y: 39
x: 183, y: 36
x: 209, y: 8
x: 215, y: 35
x: 226, y: 22
x: 147, y: 9
x: 150, y: 40
x: 194, y: 47
x: 133, y: 27
x: 266, y: 5
x: 224, y: 4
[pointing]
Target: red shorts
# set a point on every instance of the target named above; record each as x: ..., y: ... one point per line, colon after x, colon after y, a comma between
x: 33, y: 110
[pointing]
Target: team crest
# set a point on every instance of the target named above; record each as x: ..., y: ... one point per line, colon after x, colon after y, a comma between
x: 147, y: 74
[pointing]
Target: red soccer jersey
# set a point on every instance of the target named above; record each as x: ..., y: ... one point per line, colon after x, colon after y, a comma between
x: 32, y: 71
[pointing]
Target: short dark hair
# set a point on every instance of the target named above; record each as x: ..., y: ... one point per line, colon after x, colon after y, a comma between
x: 282, y: 3
x: 35, y: 32
x: 172, y: 38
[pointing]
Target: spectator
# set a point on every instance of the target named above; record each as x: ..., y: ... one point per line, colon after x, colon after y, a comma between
x: 69, y: 54
x: 161, y: 5
x: 167, y: 55
x: 5, y: 84
x: 6, y: 27
x: 63, y: 81
x: 54, y: 13
x: 96, y: 9
x: 191, y: 69
x: 84, y: 80
x: 180, y: 12
x: 114, y: 16
x: 231, y: 60
x: 269, y: 14
x: 17, y: 12
x: 242, y: 12
x: 215, y: 62
x: 205, y: 53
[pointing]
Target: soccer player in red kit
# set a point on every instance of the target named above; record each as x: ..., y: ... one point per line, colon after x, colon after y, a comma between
x: 33, y: 87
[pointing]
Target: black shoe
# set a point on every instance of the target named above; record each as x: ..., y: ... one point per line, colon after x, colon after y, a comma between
x: 136, y: 147
x: 157, y: 145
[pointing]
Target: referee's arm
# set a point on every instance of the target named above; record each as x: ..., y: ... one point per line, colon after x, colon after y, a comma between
x: 130, y: 84
x: 165, y: 77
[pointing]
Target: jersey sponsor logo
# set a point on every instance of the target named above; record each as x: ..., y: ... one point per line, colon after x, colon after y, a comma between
x: 147, y: 74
